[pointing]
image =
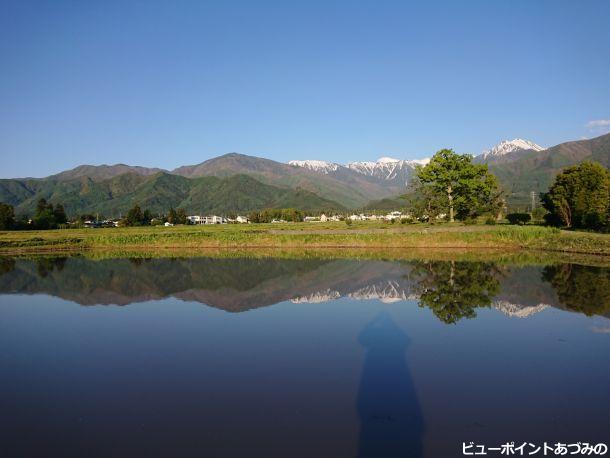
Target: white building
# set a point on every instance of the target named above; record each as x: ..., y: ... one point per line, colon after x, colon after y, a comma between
x: 196, y: 219
x: 393, y: 215
x: 242, y: 219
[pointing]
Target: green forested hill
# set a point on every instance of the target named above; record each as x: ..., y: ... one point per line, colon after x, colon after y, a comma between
x: 349, y: 188
x: 112, y: 197
x: 535, y: 171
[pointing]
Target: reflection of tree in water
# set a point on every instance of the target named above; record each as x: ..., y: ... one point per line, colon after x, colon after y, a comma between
x: 391, y: 422
x: 584, y: 289
x: 6, y: 265
x: 47, y: 265
x: 453, y: 290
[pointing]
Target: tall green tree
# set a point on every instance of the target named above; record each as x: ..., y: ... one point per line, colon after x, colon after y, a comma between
x: 41, y: 206
x: 59, y: 214
x: 136, y: 217
x: 580, y: 197
x: 459, y: 185
x: 181, y: 217
x: 172, y: 217
x: 48, y: 216
x: 7, y: 217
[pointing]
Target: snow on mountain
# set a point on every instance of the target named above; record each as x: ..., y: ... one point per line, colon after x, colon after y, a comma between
x: 387, y: 160
x: 317, y: 166
x: 385, y: 168
x: 510, y: 146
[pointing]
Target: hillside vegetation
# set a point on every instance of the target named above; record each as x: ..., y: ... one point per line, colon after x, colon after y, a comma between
x: 238, y: 193
x: 536, y: 170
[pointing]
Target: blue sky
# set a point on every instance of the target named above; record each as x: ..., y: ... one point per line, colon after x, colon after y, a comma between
x: 172, y: 83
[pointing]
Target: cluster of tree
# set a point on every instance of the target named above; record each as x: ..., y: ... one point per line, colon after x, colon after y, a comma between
x: 580, y: 198
x: 7, y: 217
x: 136, y: 217
x: 47, y: 216
x: 270, y: 214
x: 177, y: 216
x: 453, y: 185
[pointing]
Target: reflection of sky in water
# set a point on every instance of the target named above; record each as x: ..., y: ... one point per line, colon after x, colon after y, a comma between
x: 167, y: 376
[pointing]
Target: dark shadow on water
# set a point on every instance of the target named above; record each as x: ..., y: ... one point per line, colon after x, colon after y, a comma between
x: 391, y: 421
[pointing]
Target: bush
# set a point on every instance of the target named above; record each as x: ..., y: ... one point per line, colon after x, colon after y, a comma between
x: 348, y: 221
x: 491, y: 221
x: 519, y: 218
x: 470, y: 221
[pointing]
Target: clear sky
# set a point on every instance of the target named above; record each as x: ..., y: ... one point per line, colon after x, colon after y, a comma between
x: 177, y: 82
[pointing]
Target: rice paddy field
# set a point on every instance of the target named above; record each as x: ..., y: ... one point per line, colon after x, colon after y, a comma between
x: 334, y: 236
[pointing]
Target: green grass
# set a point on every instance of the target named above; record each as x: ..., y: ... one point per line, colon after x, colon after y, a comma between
x: 360, y: 235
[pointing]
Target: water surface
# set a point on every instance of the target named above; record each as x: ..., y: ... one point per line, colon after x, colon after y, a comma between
x: 315, y: 357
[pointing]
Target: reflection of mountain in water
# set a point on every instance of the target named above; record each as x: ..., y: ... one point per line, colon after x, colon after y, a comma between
x: 518, y: 311
x: 452, y: 290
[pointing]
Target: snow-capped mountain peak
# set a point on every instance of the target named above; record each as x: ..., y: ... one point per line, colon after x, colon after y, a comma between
x: 387, y: 160
x: 510, y: 146
x: 385, y: 168
x: 388, y: 168
x: 317, y: 166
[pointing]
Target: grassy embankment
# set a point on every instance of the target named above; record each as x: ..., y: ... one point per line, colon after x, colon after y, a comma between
x: 306, y: 236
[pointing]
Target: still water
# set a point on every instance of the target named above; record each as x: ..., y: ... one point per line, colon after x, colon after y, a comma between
x: 268, y: 357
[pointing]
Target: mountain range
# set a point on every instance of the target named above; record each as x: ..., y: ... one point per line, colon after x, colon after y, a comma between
x: 239, y: 183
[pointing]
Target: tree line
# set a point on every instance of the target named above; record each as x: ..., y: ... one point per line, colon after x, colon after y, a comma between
x: 47, y: 216
x: 270, y: 214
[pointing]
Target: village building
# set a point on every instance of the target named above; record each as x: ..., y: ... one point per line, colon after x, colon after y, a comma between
x: 197, y: 219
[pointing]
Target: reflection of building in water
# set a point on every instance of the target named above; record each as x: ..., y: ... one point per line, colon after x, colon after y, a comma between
x: 391, y: 421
